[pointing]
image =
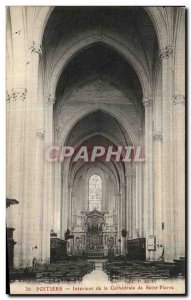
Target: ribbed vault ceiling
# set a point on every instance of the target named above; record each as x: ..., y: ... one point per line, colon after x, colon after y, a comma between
x: 99, y: 74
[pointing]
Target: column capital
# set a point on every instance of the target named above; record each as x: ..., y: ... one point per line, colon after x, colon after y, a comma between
x: 16, y: 94
x: 166, y: 52
x: 41, y: 134
x: 36, y: 48
x: 147, y: 102
x: 157, y: 137
x: 51, y: 100
x: 179, y: 99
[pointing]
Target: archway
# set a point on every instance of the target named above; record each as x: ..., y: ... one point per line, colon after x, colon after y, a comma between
x: 73, y: 74
x: 92, y: 75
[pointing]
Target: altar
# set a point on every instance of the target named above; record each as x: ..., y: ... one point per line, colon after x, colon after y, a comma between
x: 96, y: 236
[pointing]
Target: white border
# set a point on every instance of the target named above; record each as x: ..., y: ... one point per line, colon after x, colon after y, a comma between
x: 3, y: 4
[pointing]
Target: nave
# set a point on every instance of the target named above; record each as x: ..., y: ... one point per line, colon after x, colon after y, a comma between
x: 99, y: 271
x: 112, y: 80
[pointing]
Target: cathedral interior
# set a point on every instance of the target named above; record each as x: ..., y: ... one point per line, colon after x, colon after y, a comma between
x: 95, y: 76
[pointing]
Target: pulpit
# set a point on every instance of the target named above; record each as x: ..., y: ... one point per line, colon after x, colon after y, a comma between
x: 58, y: 250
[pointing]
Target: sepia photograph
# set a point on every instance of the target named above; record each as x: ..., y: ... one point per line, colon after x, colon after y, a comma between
x: 95, y: 150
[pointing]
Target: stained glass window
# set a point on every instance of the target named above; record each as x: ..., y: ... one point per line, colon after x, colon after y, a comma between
x: 95, y: 192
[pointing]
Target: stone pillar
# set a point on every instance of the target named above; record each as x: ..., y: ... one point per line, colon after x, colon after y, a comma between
x: 73, y: 202
x: 57, y: 184
x: 139, y: 200
x: 69, y: 213
x: 123, y: 205
x: 118, y: 210
x: 148, y: 184
x: 123, y: 217
x: 85, y: 203
x: 69, y: 217
x: 167, y: 153
x: 24, y: 104
x: 15, y: 167
x: 140, y: 190
x: 34, y: 157
x: 129, y: 205
x: 39, y: 195
x: 157, y: 147
x: 86, y: 191
x: 48, y: 201
x: 123, y: 245
x: 105, y: 194
x: 64, y: 204
x: 57, y: 200
x: 134, y: 204
x: 17, y: 99
x: 179, y: 121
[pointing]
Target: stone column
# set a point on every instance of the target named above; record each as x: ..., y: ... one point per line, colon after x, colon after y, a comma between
x: 179, y: 121
x: 85, y: 204
x: 166, y: 55
x: 34, y: 156
x: 16, y: 105
x: 17, y: 99
x: 105, y: 194
x: 48, y: 201
x: 69, y: 216
x: 118, y: 210
x: 148, y: 182
x: 123, y: 205
x: 134, y: 204
x: 140, y: 190
x: 24, y: 107
x: 123, y: 217
x: 69, y: 213
x: 64, y: 203
x: 139, y: 198
x: 57, y: 186
x: 73, y: 208
x: 57, y: 200
x: 39, y: 195
x: 123, y: 245
x: 86, y: 191
x: 37, y: 100
x: 129, y: 205
x: 157, y: 147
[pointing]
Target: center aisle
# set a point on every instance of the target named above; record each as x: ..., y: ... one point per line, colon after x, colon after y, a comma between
x: 97, y: 275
